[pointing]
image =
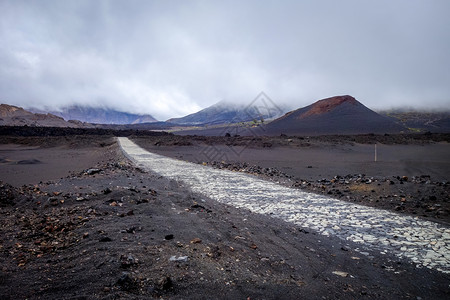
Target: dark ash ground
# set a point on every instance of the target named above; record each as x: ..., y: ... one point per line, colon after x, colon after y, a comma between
x: 111, y: 231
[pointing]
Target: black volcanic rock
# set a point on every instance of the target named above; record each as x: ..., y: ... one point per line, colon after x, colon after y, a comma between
x: 224, y: 113
x: 335, y: 115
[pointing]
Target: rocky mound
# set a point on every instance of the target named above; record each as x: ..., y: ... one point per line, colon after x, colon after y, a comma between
x: 335, y: 115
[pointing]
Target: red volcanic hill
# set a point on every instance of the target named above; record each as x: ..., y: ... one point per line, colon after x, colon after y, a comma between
x: 335, y: 115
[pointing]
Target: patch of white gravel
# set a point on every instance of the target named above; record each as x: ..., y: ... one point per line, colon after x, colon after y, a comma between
x: 425, y: 243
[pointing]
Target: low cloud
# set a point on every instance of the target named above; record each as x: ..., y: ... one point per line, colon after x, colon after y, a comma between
x: 174, y: 58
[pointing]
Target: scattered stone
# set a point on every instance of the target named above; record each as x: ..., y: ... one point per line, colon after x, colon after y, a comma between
x: 127, y: 261
x: 140, y: 201
x: 134, y: 189
x: 125, y: 281
x: 105, y: 239
x: 340, y: 273
x: 165, y: 283
x: 168, y: 237
x: 53, y: 201
x: 196, y: 241
x: 214, y: 252
x: 179, y: 259
x: 132, y: 229
x: 92, y: 171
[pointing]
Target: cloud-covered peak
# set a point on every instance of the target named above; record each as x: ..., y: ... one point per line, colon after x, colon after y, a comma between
x: 170, y: 59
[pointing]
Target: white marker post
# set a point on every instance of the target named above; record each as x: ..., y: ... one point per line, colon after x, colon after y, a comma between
x: 375, y: 152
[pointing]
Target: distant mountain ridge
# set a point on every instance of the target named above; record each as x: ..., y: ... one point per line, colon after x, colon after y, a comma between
x: 11, y: 115
x: 420, y: 121
x: 101, y: 115
x: 334, y: 115
x: 225, y: 113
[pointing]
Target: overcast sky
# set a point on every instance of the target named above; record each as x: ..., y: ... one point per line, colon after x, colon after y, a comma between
x: 171, y: 58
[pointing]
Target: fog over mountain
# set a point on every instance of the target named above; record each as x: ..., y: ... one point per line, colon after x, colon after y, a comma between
x: 17, y: 116
x: 173, y: 58
x: 100, y: 115
x: 228, y: 112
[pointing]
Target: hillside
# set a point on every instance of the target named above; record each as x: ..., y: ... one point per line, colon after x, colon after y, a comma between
x: 335, y: 115
x: 225, y: 113
x: 17, y: 116
x: 98, y: 115
x: 420, y: 121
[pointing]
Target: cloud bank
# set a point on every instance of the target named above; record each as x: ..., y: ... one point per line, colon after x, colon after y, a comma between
x: 171, y: 58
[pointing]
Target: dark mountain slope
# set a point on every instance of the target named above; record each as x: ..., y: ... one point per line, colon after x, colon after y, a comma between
x: 420, y: 121
x: 225, y: 113
x: 102, y: 115
x: 335, y: 115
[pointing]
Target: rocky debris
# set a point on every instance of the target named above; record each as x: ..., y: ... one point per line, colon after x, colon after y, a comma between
x: 199, y: 207
x: 246, y: 168
x: 132, y: 229
x: 126, y: 282
x: 92, y: 171
x: 8, y: 194
x: 295, y: 141
x: 46, y: 233
x: 418, y: 195
x: 165, y: 283
x: 196, y: 241
x: 127, y: 261
x: 107, y: 191
x: 53, y: 201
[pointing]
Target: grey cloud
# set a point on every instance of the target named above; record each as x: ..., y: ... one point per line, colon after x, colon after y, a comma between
x: 170, y: 58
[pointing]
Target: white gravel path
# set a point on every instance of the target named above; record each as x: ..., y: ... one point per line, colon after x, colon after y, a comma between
x: 425, y: 243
